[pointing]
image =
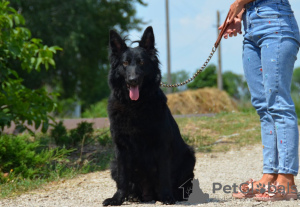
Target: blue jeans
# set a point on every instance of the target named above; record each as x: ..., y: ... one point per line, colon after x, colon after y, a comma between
x: 271, y: 44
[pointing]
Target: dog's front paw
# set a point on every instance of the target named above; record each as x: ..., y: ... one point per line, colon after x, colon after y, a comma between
x: 168, y: 199
x: 112, y: 202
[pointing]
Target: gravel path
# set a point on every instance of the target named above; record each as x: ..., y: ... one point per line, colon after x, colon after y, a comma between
x: 91, y: 189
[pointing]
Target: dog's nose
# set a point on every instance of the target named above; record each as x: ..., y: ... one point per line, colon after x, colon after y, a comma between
x: 133, y: 80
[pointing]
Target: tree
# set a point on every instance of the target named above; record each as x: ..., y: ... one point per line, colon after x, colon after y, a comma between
x: 233, y: 84
x: 81, y: 28
x: 296, y: 81
x: 207, y: 78
x: 295, y: 90
x: 18, y: 103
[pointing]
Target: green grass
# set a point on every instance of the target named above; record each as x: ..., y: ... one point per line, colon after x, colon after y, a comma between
x: 18, y: 185
x: 42, y: 165
x: 207, y: 134
x: 97, y: 110
x: 221, y: 132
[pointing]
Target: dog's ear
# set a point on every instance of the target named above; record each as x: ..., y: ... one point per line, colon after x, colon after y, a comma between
x: 116, y: 43
x: 148, y: 40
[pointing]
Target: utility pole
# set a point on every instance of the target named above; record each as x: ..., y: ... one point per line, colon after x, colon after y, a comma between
x: 169, y: 80
x: 220, y: 81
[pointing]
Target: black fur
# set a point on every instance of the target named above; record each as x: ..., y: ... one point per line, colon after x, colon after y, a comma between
x: 151, y: 158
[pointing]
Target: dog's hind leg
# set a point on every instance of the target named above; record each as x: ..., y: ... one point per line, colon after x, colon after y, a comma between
x: 147, y: 191
x: 135, y: 193
x: 164, y: 189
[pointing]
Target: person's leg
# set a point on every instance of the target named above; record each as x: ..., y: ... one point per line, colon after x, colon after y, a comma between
x: 276, y: 32
x: 254, y: 76
x: 253, y: 71
x: 278, y: 58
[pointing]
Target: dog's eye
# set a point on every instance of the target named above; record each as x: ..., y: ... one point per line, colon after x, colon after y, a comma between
x: 141, y: 62
x: 125, y: 63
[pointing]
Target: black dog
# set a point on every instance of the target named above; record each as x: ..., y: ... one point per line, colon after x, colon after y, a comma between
x: 151, y: 159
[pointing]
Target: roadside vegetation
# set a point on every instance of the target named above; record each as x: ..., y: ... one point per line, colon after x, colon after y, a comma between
x: 222, y: 132
x: 27, y: 161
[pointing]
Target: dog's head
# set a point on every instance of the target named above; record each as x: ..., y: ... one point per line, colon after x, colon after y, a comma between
x: 134, y: 70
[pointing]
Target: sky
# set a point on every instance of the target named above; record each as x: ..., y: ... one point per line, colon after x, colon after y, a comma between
x: 193, y: 32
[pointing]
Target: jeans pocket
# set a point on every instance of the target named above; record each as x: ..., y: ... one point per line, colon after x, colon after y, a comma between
x: 267, y: 11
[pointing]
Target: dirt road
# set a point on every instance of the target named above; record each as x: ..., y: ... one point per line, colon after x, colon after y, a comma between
x: 91, y: 189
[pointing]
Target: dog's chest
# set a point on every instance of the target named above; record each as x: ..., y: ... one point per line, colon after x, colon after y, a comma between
x: 143, y: 153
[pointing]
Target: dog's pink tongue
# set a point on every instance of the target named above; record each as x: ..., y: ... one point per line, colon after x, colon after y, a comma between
x: 134, y: 93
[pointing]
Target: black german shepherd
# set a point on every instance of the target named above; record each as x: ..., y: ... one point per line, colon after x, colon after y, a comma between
x: 151, y: 159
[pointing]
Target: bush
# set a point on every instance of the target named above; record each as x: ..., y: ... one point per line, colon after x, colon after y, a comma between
x: 61, y: 137
x: 84, y: 130
x: 97, y: 110
x: 19, y: 156
x: 104, y: 138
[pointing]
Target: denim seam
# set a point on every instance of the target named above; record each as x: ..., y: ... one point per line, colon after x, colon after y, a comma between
x: 270, y: 169
x: 285, y: 170
x: 275, y: 144
x: 277, y: 69
x: 286, y: 153
x: 277, y: 88
x: 285, y: 159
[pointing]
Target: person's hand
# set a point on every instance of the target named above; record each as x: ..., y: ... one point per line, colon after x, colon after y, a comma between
x: 235, y: 9
x: 234, y: 28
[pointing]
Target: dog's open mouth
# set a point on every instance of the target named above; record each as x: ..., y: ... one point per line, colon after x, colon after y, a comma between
x: 134, y: 92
